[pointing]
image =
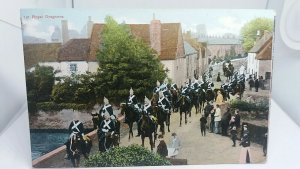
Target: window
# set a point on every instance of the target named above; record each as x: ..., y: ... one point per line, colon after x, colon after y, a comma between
x: 73, y: 68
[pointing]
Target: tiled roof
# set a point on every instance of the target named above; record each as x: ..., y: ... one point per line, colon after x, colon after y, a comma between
x: 260, y: 43
x: 95, y: 41
x: 266, y: 52
x: 169, y: 38
x: 74, y: 50
x: 141, y: 31
x: 42, y: 52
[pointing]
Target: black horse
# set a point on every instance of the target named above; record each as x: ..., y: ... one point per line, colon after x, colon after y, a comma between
x: 148, y: 129
x: 184, y: 107
x: 162, y: 115
x: 209, y: 95
x: 202, y: 99
x: 78, y: 145
x: 195, y: 97
x: 131, y: 116
x: 174, y: 100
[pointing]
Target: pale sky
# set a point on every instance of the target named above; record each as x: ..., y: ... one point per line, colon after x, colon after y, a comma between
x: 217, y: 22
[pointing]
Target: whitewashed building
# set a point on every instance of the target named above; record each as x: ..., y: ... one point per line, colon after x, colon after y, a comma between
x: 260, y: 57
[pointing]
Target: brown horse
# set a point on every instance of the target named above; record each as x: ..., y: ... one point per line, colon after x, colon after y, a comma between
x: 148, y: 129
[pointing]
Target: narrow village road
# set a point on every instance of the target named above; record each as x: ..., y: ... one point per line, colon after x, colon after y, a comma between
x: 197, y: 149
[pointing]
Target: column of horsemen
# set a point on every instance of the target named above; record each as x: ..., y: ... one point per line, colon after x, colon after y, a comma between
x: 154, y: 113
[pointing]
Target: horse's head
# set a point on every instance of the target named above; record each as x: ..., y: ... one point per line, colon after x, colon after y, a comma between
x: 123, y: 106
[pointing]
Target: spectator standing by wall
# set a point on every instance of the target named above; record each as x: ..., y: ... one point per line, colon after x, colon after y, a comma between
x: 203, y: 122
x: 217, y: 118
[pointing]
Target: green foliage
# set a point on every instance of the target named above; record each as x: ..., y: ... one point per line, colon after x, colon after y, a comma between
x: 259, y: 108
x: 132, y: 155
x: 125, y: 62
x: 51, y: 106
x: 249, y: 31
x: 39, y: 84
x: 243, y: 105
x: 75, y: 89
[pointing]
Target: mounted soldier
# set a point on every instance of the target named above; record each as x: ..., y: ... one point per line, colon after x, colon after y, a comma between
x: 163, y: 103
x: 107, y: 108
x: 165, y: 112
x: 164, y: 88
x: 147, y: 108
x: 78, y: 143
x: 186, y: 91
x: 106, y: 131
x: 132, y: 103
x: 157, y: 88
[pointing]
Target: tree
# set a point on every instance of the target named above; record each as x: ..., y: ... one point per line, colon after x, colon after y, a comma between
x: 132, y: 155
x: 249, y: 31
x: 125, y: 62
x: 75, y: 89
x: 39, y: 83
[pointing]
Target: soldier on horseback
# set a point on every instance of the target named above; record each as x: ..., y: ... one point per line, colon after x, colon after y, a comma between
x: 78, y: 143
x: 106, y: 130
x: 157, y: 88
x: 163, y: 103
x: 132, y: 102
x: 107, y: 108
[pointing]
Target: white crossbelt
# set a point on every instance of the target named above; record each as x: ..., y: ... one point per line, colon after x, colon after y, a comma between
x: 130, y: 98
x: 76, y: 125
x: 106, y: 124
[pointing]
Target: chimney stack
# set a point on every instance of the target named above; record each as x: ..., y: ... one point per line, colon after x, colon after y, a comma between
x: 155, y: 35
x: 89, y: 27
x: 64, y: 31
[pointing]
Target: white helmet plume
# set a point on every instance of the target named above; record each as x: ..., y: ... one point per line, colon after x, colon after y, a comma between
x: 131, y: 91
x: 105, y: 100
x: 157, y: 83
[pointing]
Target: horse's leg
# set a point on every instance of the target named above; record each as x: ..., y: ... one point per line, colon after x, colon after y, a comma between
x: 185, y: 116
x: 78, y: 161
x: 151, y: 142
x: 163, y: 128
x: 130, y: 130
x: 143, y: 140
x: 180, y: 118
x: 169, y: 121
x: 73, y: 161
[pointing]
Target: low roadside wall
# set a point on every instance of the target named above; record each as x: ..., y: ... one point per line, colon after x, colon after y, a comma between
x: 55, y: 158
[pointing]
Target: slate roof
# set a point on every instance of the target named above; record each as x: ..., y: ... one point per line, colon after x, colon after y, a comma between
x: 223, y: 41
x: 74, y: 50
x: 40, y: 52
x: 188, y: 49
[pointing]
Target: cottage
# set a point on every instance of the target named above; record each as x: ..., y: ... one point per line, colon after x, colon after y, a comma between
x: 165, y: 38
x: 78, y: 56
x: 260, y: 57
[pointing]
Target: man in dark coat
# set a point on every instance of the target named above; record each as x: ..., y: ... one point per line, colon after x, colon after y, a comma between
x: 203, y: 122
x: 251, y: 83
x: 162, y: 148
x: 218, y: 77
x: 225, y: 122
x: 256, y: 84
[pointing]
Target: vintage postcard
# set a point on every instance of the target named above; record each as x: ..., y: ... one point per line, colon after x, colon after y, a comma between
x: 129, y: 87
